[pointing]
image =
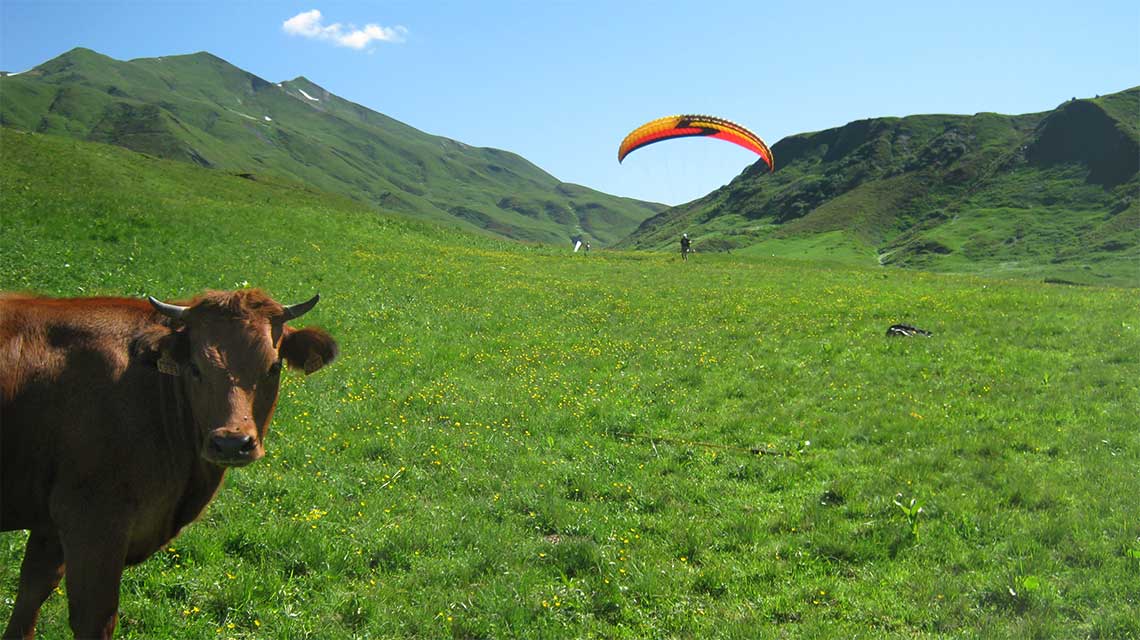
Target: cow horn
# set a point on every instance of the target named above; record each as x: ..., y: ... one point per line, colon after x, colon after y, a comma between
x: 168, y: 310
x: 297, y: 310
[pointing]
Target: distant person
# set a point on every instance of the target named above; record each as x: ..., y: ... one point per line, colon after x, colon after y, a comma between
x: 685, y: 246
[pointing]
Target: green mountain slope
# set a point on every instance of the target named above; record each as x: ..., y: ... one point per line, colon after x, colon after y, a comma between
x: 1052, y: 195
x: 199, y: 108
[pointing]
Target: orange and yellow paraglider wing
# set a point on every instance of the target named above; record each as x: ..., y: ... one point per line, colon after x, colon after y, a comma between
x: 650, y: 132
x: 682, y: 126
x: 736, y: 134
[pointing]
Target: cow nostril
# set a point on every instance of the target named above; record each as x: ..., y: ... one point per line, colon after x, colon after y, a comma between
x: 230, y: 446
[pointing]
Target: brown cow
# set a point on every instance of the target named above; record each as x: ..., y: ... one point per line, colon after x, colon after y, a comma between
x: 118, y: 420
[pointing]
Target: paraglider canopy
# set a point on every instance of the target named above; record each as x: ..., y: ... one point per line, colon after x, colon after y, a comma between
x: 682, y: 126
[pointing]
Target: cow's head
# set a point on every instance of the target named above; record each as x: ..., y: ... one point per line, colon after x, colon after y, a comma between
x: 227, y: 348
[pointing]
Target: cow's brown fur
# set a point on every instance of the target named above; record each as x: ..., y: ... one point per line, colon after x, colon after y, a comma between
x: 103, y: 457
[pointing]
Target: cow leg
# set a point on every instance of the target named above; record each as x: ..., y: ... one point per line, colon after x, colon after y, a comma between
x: 95, y: 557
x: 39, y: 575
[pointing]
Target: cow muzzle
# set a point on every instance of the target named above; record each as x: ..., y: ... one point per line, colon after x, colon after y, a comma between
x: 232, y: 448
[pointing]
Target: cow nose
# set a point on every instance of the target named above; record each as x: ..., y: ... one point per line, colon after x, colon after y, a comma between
x: 231, y: 446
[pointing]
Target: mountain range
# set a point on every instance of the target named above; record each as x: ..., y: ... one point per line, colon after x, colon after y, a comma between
x: 1052, y: 195
x: 201, y: 109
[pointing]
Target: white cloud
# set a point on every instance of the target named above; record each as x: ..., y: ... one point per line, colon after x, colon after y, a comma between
x: 309, y: 25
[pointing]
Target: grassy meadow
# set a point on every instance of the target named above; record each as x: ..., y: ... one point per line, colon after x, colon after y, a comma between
x: 522, y: 442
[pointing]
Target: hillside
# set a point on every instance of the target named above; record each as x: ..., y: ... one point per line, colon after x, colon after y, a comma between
x: 199, y: 108
x: 1049, y: 195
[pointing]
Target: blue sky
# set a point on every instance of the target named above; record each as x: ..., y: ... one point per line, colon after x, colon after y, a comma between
x: 561, y: 82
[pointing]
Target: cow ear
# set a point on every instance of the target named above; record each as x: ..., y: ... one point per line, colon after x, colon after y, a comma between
x: 308, y: 349
x: 162, y: 343
x: 174, y: 350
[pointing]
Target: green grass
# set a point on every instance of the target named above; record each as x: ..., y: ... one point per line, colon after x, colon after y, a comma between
x: 828, y: 246
x: 508, y: 445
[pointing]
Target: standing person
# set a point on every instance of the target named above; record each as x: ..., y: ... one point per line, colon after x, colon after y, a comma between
x: 685, y: 246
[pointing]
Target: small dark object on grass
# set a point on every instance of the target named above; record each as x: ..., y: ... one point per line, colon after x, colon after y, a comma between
x: 905, y: 330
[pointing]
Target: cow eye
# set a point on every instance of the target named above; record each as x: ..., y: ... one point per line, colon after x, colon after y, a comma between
x: 195, y: 371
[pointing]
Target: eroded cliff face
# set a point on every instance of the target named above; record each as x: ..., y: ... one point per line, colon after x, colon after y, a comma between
x: 1081, y: 131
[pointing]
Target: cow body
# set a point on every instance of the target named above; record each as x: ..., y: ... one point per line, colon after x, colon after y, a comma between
x: 118, y: 420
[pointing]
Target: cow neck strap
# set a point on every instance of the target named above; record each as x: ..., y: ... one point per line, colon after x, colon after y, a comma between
x: 167, y: 365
